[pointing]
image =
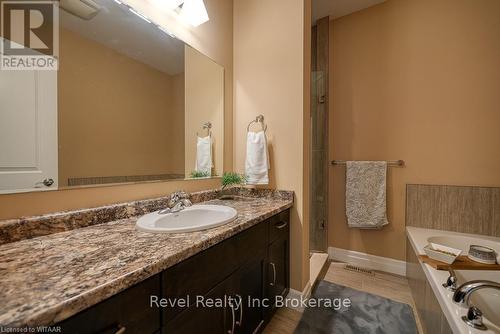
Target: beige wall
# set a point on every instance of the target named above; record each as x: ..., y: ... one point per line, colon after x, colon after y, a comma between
x: 213, y: 39
x: 178, y: 103
x: 204, y: 103
x: 110, y: 125
x: 270, y: 78
x: 417, y: 80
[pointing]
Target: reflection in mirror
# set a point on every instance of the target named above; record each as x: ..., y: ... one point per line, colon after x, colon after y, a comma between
x: 134, y: 104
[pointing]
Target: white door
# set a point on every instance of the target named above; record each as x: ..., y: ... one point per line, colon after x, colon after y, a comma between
x: 28, y: 130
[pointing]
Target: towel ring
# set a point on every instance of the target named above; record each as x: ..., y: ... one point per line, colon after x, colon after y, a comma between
x: 258, y: 119
x: 206, y: 126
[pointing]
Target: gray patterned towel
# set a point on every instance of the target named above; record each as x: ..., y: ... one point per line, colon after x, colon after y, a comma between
x: 365, y: 194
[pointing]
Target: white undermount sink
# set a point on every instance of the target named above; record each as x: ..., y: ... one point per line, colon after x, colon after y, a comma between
x: 191, y: 219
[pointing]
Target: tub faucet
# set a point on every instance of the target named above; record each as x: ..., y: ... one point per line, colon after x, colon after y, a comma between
x: 179, y: 200
x: 464, y: 291
x: 451, y: 281
x: 474, y: 317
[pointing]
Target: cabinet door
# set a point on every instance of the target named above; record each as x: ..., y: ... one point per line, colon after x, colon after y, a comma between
x: 201, y: 318
x: 277, y: 270
x: 251, y: 314
x: 202, y: 272
x: 126, y: 312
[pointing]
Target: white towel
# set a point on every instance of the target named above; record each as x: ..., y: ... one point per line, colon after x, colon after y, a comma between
x: 257, y: 160
x: 365, y: 198
x: 204, y: 155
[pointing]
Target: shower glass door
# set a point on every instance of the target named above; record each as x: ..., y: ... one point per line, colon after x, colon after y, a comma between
x: 319, y: 164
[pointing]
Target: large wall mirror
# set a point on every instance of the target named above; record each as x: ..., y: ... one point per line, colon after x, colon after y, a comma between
x: 129, y: 103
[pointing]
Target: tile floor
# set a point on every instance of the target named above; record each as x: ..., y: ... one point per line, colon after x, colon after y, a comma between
x: 379, y: 283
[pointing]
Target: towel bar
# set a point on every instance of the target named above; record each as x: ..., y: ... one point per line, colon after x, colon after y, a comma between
x: 398, y: 163
x: 206, y: 126
x: 258, y: 119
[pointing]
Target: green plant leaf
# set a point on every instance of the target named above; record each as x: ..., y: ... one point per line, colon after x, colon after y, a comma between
x: 197, y: 174
x: 231, y: 178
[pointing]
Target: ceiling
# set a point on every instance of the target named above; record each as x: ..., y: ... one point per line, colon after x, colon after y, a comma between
x: 121, y: 30
x: 338, y: 8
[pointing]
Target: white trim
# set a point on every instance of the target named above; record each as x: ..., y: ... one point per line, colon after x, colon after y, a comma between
x: 293, y: 294
x: 307, y: 290
x: 298, y: 295
x: 318, y: 261
x: 368, y: 261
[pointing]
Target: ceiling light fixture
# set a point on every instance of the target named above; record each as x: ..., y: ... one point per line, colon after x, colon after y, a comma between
x: 167, y: 4
x: 84, y: 9
x: 172, y: 4
x: 194, y: 12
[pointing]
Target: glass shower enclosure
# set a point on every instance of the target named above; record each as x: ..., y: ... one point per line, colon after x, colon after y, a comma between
x: 319, y: 165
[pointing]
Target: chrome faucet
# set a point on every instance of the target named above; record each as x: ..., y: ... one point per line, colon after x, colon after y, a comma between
x: 451, y: 281
x: 474, y: 317
x: 464, y: 291
x: 179, y: 200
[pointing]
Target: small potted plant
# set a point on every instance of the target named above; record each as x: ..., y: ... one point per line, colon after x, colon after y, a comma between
x: 230, y: 180
x: 197, y: 174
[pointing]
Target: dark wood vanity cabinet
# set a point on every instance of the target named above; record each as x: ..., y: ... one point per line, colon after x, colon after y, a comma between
x: 126, y: 312
x: 206, y: 319
x: 252, y: 268
x: 245, y: 273
x: 278, y: 270
x: 233, y: 317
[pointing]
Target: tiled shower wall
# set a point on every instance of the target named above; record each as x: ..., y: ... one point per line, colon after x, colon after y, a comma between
x: 319, y: 137
x: 466, y: 209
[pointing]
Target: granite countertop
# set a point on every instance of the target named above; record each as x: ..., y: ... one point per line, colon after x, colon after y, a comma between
x: 47, y: 279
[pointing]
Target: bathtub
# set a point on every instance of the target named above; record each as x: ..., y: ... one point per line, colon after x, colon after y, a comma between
x: 487, y: 300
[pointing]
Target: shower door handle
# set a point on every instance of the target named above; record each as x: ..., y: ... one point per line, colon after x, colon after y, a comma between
x: 322, y: 224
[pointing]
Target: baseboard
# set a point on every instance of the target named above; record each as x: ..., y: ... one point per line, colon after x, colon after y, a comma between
x: 368, y: 261
x: 292, y: 293
x: 307, y: 290
x: 299, y: 295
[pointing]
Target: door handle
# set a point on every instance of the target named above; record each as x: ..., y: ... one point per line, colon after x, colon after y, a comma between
x: 274, y: 274
x: 46, y: 183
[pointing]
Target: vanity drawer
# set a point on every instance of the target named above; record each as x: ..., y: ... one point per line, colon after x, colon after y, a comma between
x: 126, y: 312
x: 279, y: 226
x: 197, y: 275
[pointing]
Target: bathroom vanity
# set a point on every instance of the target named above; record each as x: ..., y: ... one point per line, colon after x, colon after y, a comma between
x: 252, y: 264
x: 112, y: 278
